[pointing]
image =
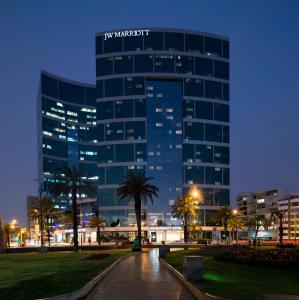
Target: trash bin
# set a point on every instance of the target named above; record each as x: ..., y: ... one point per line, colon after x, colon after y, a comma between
x: 193, y: 268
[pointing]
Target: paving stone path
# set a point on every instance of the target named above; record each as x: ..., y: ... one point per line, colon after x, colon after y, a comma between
x: 140, y: 277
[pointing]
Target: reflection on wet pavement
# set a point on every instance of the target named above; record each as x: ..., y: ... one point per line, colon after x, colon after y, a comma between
x: 140, y: 277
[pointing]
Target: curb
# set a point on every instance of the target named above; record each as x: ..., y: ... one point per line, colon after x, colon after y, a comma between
x: 88, y: 287
x: 197, y: 293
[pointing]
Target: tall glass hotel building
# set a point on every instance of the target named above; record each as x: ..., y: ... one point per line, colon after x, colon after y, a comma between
x: 160, y: 105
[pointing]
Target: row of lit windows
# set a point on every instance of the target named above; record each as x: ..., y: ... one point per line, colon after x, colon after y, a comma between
x: 60, y: 130
x: 67, y: 112
x: 161, y: 63
x: 168, y: 41
x: 136, y: 86
x: 68, y: 92
x: 206, y: 132
x: 205, y: 154
x: 206, y: 175
x: 121, y: 109
x: 122, y: 153
x: 205, y: 110
x: 131, y: 130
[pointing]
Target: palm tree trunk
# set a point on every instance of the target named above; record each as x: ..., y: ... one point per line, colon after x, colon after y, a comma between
x: 99, y: 235
x: 138, y: 219
x: 185, y: 228
x: 75, y: 220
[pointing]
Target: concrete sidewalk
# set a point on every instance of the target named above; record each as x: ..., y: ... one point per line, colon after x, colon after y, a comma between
x: 140, y: 277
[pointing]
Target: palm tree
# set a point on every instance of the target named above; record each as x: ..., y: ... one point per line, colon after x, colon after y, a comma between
x: 69, y: 181
x: 236, y: 222
x: 50, y: 213
x: 97, y: 222
x: 2, y: 236
x: 185, y: 207
x: 257, y: 222
x: 66, y: 221
x: 278, y: 215
x: 135, y: 187
x: 222, y: 215
x: 195, y: 229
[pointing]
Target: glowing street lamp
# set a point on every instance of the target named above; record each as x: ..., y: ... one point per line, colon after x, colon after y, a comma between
x: 235, y: 211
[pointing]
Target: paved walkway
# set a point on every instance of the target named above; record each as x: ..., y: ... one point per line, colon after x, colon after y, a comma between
x: 140, y: 277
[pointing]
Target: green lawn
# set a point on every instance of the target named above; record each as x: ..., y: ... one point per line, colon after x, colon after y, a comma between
x: 233, y: 281
x: 34, y: 275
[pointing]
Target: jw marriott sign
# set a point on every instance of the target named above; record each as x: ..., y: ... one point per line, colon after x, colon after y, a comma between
x: 125, y: 33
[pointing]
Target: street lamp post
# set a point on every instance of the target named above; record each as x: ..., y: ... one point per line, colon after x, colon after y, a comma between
x: 42, y: 245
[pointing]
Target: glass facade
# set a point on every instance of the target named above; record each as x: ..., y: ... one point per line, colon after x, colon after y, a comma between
x: 160, y: 105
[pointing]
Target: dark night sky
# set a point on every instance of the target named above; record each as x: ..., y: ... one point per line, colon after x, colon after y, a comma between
x: 58, y: 36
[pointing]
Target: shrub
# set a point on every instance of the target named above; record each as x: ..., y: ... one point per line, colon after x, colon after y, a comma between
x: 98, y: 256
x: 283, y: 258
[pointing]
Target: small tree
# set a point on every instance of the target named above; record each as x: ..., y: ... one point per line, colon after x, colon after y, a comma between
x: 136, y: 187
x: 98, y: 223
x: 236, y: 222
x: 50, y: 213
x: 222, y: 215
x: 185, y: 207
x: 69, y: 180
x: 278, y: 215
x: 257, y: 222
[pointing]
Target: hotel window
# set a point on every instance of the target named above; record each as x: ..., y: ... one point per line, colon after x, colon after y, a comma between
x: 113, y: 45
x: 225, y: 175
x: 164, y: 63
x: 225, y: 134
x: 174, y: 41
x: 124, y: 152
x: 203, y: 66
x: 188, y: 152
x: 49, y: 86
x: 204, y: 110
x: 135, y: 130
x: 104, y: 66
x: 140, y: 108
x: 140, y: 152
x: 143, y: 63
x: 221, y: 112
x: 204, y: 153
x: 225, y: 88
x: 107, y: 197
x: 114, y: 131
x: 106, y: 154
x: 221, y: 69
x: 194, y: 175
x: 105, y: 110
x: 221, y: 155
x: 114, y: 87
x: 213, y: 175
x: 114, y: 175
x: 184, y: 64
x: 123, y: 64
x: 194, y: 43
x: 194, y: 131
x: 188, y: 109
x: 193, y: 87
x: 221, y: 197
x: 213, y: 46
x: 124, y: 108
x: 213, y: 89
x: 213, y: 133
x: 134, y: 86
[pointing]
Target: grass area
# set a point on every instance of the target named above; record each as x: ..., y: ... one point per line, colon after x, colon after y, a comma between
x: 233, y: 281
x: 34, y: 275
